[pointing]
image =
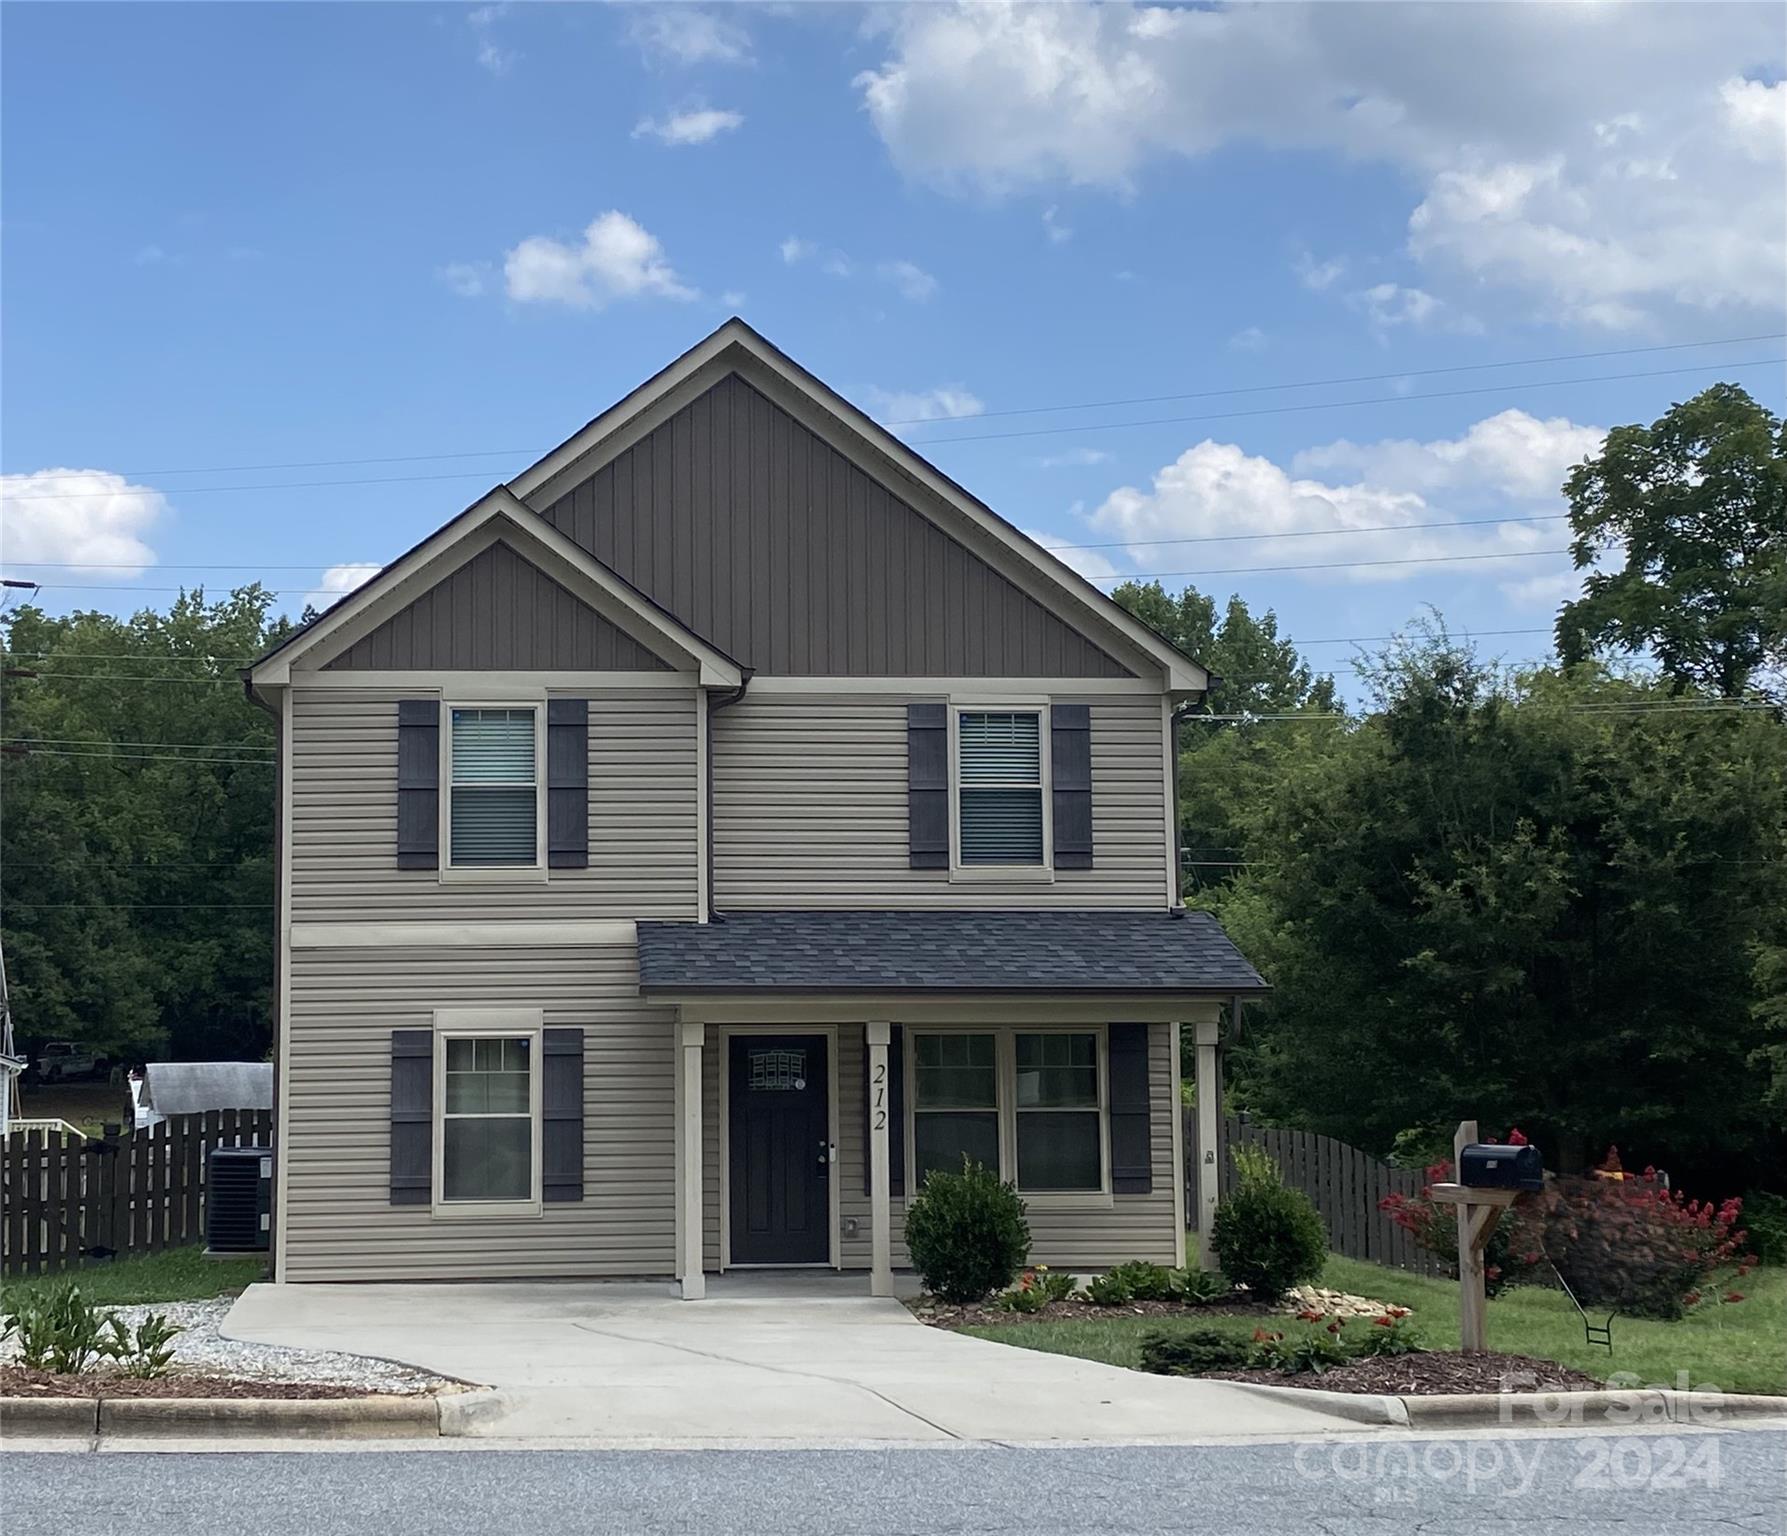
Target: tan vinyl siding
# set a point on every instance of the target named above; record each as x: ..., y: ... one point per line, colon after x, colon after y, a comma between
x: 340, y: 1224
x: 644, y: 835
x: 810, y: 809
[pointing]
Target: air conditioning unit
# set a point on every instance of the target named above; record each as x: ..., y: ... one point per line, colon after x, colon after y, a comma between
x: 239, y: 1200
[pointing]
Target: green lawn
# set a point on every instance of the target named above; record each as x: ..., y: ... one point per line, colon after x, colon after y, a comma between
x: 180, y: 1274
x: 1737, y: 1347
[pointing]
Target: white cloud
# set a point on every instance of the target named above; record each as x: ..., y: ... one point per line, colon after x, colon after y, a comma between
x: 85, y: 519
x: 912, y: 407
x: 794, y: 249
x: 1502, y: 471
x: 1388, y: 305
x: 150, y: 256
x: 733, y: 300
x: 1074, y: 458
x: 1249, y: 339
x: 1319, y: 276
x: 681, y: 34
x: 915, y: 284
x: 337, y: 581
x: 836, y: 265
x: 1058, y: 233
x: 697, y: 125
x: 617, y: 259
x: 490, y: 54
x: 1595, y: 163
x: 468, y: 279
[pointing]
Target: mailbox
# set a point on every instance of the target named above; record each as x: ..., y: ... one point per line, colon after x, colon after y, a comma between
x: 1483, y: 1165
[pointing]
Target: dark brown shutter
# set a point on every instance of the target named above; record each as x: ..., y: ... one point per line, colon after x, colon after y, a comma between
x: 1070, y: 777
x: 567, y: 783
x: 927, y: 785
x: 1132, y: 1162
x: 412, y: 1116
x: 561, y: 1114
x: 418, y: 783
x: 896, y: 1114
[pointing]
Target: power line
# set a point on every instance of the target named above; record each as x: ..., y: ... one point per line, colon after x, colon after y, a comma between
x: 1031, y: 410
x: 77, y: 741
x: 982, y: 437
x: 150, y: 757
x: 125, y: 677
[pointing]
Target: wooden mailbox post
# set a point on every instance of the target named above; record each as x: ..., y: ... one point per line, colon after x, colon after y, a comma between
x: 1478, y: 1212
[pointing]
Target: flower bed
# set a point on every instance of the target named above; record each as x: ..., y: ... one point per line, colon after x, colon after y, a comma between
x: 1427, y: 1373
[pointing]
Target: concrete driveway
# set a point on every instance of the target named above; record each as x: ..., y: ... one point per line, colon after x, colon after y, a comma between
x: 764, y: 1359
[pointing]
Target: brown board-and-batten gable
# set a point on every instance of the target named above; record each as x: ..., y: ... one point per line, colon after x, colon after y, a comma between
x: 766, y: 540
x: 498, y: 612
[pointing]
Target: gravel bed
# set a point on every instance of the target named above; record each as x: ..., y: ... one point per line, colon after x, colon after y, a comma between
x: 202, y: 1350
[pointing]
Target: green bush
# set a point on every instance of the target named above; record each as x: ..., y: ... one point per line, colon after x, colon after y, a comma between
x: 1193, y: 1353
x: 967, y: 1234
x: 1146, y: 1282
x: 1391, y: 1334
x: 1313, y: 1349
x: 1267, y: 1237
x: 1764, y: 1217
x: 1109, y: 1290
x: 145, y: 1351
x: 1036, y: 1289
x: 1200, y: 1287
x: 58, y: 1329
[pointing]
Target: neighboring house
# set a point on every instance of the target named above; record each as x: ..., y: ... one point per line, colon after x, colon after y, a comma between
x: 11, y: 1068
x: 195, y: 1087
x: 705, y: 835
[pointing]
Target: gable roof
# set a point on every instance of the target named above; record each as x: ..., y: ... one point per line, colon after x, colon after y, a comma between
x: 735, y: 346
x: 496, y: 516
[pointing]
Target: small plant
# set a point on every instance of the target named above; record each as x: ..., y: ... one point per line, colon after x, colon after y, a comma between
x: 1146, y: 1282
x: 145, y: 1351
x: 1199, y: 1287
x: 1268, y: 1237
x: 58, y: 1330
x: 1036, y: 1289
x: 967, y: 1234
x: 1193, y: 1353
x: 1311, y: 1350
x: 1109, y: 1290
x: 1765, y: 1216
x: 1389, y: 1334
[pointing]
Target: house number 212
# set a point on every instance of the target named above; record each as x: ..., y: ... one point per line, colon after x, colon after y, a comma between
x: 881, y: 1097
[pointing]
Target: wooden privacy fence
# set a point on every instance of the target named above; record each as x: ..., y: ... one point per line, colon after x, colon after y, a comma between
x: 1345, y: 1183
x: 66, y: 1201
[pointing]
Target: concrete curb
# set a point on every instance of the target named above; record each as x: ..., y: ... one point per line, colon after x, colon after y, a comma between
x: 336, y: 1418
x: 1529, y: 1410
x: 1354, y: 1407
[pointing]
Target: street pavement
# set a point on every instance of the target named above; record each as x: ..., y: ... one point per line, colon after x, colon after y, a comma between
x: 1465, y: 1485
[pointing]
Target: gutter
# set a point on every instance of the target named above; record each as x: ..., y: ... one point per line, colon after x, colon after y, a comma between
x: 280, y: 875
x: 715, y: 703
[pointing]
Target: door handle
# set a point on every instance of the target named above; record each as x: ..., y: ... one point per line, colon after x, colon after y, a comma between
x: 827, y: 1156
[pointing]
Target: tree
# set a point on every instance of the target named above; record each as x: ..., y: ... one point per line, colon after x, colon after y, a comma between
x: 1698, y: 502
x: 1540, y: 900
x: 138, y: 831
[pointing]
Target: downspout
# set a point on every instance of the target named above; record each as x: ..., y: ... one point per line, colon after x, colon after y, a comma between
x: 1185, y: 711
x: 716, y: 703
x: 280, y: 875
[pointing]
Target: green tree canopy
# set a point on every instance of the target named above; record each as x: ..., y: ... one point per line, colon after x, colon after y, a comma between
x: 137, y: 842
x: 1697, y: 501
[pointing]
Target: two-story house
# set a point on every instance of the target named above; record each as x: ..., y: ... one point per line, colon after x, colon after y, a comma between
x: 706, y: 834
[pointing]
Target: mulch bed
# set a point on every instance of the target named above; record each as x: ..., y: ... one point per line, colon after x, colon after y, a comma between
x: 22, y: 1381
x: 940, y: 1314
x: 1430, y: 1372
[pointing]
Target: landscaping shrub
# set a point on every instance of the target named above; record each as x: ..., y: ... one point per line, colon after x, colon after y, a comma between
x: 966, y: 1233
x: 1390, y: 1334
x: 1765, y: 1218
x: 1200, y: 1287
x: 1515, y: 1251
x: 145, y: 1351
x: 1036, y: 1289
x: 1267, y: 1237
x: 1313, y: 1349
x: 1109, y: 1290
x: 58, y: 1329
x: 1145, y: 1281
x: 1193, y: 1353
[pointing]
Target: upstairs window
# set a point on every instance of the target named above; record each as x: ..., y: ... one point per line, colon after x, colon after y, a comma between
x: 494, y: 789
x: 999, y: 788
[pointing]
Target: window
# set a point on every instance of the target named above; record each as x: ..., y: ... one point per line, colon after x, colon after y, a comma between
x: 1059, y: 1136
x: 493, y: 817
x: 999, y: 788
x: 488, y: 1108
x: 955, y: 1102
x: 1029, y: 1104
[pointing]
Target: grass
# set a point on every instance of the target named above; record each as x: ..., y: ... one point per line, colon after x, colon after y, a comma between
x: 180, y: 1274
x: 1735, y: 1347
x: 85, y: 1106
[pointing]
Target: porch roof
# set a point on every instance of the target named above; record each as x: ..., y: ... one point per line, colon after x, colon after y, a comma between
x: 781, y: 952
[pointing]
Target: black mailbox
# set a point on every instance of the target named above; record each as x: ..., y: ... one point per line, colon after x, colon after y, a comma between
x: 1483, y: 1165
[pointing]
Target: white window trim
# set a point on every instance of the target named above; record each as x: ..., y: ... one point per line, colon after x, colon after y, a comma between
x: 1001, y: 874
x: 499, y: 874
x: 484, y: 1024
x: 1005, y: 1056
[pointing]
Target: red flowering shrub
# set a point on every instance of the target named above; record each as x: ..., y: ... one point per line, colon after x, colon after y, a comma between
x: 1514, y: 1250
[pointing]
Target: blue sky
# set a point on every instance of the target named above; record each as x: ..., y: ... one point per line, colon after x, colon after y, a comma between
x: 270, y: 235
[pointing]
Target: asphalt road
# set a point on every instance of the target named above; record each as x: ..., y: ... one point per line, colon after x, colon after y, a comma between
x: 1731, y: 1481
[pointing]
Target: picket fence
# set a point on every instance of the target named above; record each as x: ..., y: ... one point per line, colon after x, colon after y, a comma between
x: 66, y: 1201
x: 1345, y: 1183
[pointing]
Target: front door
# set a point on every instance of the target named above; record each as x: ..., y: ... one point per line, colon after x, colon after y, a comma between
x: 780, y: 1125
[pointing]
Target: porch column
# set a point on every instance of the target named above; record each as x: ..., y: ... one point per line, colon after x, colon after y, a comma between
x: 1208, y: 1031
x: 880, y: 1197
x: 690, y: 1034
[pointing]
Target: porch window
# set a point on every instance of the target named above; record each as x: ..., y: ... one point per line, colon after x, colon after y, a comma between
x: 955, y: 1102
x: 1059, y: 1139
x: 494, y: 789
x: 488, y: 1109
x: 999, y: 787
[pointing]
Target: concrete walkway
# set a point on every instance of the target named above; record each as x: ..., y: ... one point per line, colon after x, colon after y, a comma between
x: 765, y: 1359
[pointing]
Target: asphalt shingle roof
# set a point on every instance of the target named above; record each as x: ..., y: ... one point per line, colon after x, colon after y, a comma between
x: 944, y: 951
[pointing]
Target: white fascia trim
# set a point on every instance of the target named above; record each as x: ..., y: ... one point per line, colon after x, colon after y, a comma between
x: 1181, y: 674
x: 443, y: 935
x: 432, y: 560
x: 1059, y: 690
x: 484, y: 686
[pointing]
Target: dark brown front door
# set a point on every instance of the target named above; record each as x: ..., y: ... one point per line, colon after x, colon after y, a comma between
x: 780, y: 1127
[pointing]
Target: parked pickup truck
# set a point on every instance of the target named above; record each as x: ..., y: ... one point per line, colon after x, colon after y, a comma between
x: 62, y: 1061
